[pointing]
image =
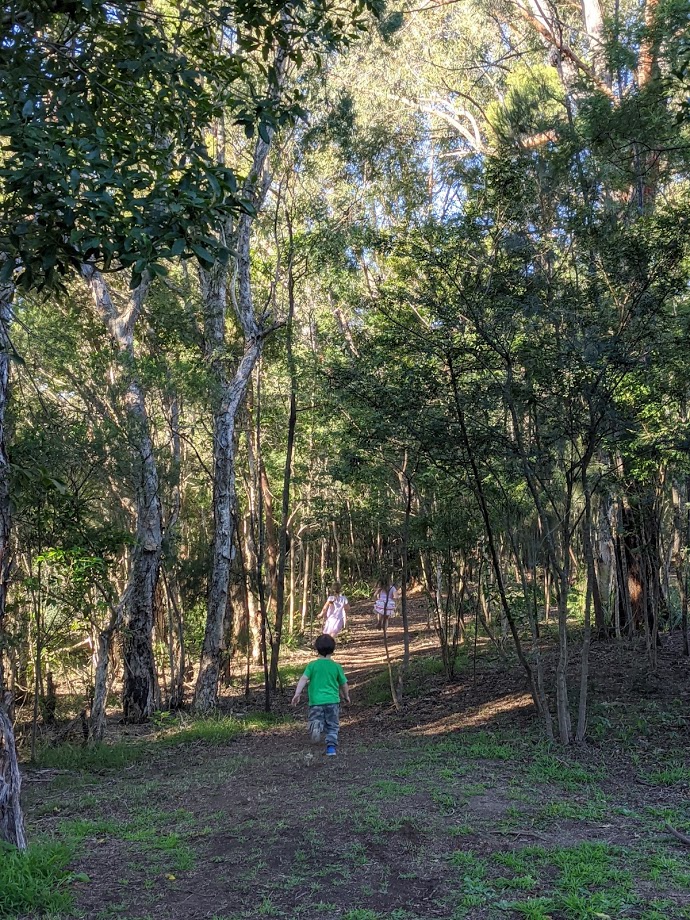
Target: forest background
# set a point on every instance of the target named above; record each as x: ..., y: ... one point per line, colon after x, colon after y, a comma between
x: 295, y: 292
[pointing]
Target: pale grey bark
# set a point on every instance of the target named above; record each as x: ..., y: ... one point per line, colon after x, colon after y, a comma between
x: 231, y: 390
x: 97, y: 716
x: 6, y: 296
x: 11, y: 817
x: 139, y: 694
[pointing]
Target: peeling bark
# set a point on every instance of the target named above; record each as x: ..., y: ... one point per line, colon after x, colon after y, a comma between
x: 6, y: 296
x: 230, y: 394
x: 11, y: 817
x: 139, y: 693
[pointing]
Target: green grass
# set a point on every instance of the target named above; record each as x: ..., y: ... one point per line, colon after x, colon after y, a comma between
x: 574, y: 811
x: 468, y: 745
x: 469, y: 863
x: 218, y: 729
x: 289, y: 674
x: 671, y: 775
x: 548, y: 768
x: 587, y: 881
x: 159, y: 833
x: 36, y: 881
x: 212, y: 730
x: 92, y: 759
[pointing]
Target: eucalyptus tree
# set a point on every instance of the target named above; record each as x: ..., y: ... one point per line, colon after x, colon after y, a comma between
x: 289, y: 35
x: 109, y: 173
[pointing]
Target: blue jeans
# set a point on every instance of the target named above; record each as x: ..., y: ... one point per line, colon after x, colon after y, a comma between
x: 325, y: 718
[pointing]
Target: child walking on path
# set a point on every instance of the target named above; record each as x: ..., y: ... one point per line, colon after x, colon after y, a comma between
x: 327, y: 683
x: 335, y: 611
x: 385, y: 599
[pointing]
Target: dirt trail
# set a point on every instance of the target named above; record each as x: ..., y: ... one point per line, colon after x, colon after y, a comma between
x: 412, y: 820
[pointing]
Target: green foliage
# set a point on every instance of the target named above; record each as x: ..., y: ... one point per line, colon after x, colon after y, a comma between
x: 112, y: 167
x: 36, y: 881
x: 533, y: 102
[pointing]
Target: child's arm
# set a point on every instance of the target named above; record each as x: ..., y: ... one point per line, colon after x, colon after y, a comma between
x: 345, y: 692
x: 301, y: 684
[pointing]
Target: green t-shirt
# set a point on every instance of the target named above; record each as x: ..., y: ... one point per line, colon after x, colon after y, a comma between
x: 325, y: 679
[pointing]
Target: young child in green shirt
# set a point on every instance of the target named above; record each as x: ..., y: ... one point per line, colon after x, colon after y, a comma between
x: 327, y: 683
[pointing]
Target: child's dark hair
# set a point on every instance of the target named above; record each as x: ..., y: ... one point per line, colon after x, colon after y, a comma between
x: 325, y: 645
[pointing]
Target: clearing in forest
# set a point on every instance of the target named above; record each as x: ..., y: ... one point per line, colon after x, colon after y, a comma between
x: 452, y: 807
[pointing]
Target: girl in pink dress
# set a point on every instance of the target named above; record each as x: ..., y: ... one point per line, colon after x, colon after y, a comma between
x: 334, y: 612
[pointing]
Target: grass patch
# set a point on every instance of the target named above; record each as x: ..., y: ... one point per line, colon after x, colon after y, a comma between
x: 589, y: 882
x: 573, y: 811
x: 289, y: 674
x: 94, y: 758
x: 36, y: 881
x: 673, y: 774
x: 218, y: 729
x: 547, y: 768
x: 470, y: 745
x: 212, y: 730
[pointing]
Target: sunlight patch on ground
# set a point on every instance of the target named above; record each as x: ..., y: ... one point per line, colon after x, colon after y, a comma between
x: 476, y: 717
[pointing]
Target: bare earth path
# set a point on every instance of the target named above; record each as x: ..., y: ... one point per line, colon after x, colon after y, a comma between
x: 452, y: 808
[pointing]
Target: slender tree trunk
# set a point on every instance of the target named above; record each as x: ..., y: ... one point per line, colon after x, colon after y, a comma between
x: 584, y: 668
x: 285, y: 510
x: 405, y: 573
x: 230, y: 394
x: 6, y: 296
x: 489, y: 531
x: 587, y: 545
x: 306, y: 576
x: 97, y: 714
x: 322, y: 571
x: 224, y: 502
x: 177, y: 631
x: 11, y: 817
x: 139, y: 693
x: 293, y: 584
x: 562, y: 704
x: 271, y: 538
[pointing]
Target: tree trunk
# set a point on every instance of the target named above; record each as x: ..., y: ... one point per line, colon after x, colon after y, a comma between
x: 230, y: 394
x: 306, y: 575
x: 584, y: 668
x: 562, y: 705
x: 405, y: 573
x: 97, y: 715
x: 139, y: 692
x: 293, y: 584
x: 11, y: 818
x: 285, y: 509
x: 224, y: 500
x: 271, y: 538
x: 6, y: 296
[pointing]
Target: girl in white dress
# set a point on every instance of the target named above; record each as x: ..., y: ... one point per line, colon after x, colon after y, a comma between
x: 335, y: 611
x: 384, y: 601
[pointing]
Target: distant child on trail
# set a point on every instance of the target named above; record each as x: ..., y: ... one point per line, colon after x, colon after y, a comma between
x: 327, y: 683
x: 335, y: 611
x: 384, y: 601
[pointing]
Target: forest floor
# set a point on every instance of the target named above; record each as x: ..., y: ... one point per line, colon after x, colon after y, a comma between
x: 452, y: 807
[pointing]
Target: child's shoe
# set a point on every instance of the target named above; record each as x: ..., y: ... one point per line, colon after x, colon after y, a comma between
x: 331, y: 750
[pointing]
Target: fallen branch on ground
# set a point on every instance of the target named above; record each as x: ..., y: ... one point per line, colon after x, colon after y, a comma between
x: 679, y: 835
